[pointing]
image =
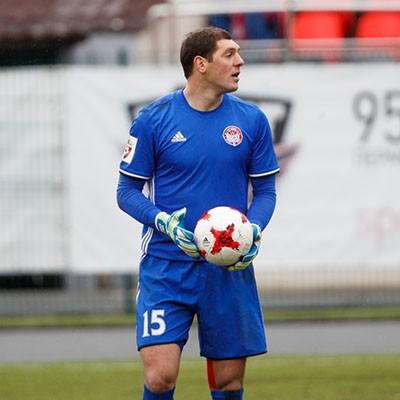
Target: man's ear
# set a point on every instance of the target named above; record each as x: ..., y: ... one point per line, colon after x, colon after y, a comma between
x: 200, y: 64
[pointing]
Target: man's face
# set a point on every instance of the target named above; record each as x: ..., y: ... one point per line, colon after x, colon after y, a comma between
x: 224, y: 69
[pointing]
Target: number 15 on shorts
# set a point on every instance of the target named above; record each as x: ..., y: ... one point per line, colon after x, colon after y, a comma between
x: 155, y: 326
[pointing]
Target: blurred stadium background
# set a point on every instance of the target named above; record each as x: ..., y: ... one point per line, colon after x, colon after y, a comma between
x: 74, y: 73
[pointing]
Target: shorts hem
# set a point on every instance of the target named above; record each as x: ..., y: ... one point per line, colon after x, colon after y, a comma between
x: 179, y: 343
x: 234, y: 357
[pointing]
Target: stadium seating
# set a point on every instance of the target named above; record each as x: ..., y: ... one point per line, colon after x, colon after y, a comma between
x: 248, y: 26
x: 378, y: 35
x: 320, y: 34
x: 378, y: 24
x: 318, y: 25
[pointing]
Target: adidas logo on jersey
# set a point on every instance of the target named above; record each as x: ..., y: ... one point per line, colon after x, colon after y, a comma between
x: 178, y: 137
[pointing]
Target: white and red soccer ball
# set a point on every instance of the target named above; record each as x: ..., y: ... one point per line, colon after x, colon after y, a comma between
x: 223, y: 235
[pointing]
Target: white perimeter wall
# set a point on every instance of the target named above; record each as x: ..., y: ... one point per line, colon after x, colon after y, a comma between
x: 338, y: 195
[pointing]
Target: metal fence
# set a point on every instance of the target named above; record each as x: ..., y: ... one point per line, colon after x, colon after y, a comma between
x: 32, y: 176
x: 34, y: 258
x: 67, y: 294
x: 27, y: 295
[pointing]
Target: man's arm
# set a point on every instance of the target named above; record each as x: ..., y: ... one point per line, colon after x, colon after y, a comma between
x: 259, y: 214
x: 131, y: 200
x: 264, y: 200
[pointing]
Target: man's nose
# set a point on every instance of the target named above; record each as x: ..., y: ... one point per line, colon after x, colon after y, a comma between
x: 239, y: 60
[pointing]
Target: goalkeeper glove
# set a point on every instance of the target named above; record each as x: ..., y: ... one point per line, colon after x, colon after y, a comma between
x: 248, y: 258
x: 173, y: 226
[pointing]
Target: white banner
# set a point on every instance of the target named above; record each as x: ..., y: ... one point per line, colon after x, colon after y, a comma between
x: 338, y: 199
x: 337, y: 134
x: 100, y: 108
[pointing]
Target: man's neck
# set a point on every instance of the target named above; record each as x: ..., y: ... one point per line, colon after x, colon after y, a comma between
x: 202, y: 99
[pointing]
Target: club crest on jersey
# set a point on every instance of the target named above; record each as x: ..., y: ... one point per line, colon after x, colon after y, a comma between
x: 232, y: 135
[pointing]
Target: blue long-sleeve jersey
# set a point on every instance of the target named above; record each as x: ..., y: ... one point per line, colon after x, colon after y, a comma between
x: 198, y: 160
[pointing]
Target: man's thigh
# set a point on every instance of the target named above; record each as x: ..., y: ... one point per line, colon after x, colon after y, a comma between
x: 226, y: 374
x: 231, y: 324
x: 164, y: 311
x: 160, y: 366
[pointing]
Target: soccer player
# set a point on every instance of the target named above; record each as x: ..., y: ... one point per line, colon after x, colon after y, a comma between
x: 198, y: 148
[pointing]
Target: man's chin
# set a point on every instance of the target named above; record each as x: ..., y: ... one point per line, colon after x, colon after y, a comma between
x: 232, y: 88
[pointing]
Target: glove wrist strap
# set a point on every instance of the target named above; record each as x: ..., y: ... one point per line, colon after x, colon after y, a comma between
x: 161, y: 221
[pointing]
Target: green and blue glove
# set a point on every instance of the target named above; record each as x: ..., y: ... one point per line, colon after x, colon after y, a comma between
x: 248, y: 258
x: 173, y: 226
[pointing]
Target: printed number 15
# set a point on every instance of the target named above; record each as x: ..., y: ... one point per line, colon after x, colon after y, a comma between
x: 156, y: 318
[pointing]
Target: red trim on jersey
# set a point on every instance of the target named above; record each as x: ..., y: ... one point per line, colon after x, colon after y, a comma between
x: 210, y: 374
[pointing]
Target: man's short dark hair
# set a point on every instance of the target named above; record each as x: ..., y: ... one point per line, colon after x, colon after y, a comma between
x: 201, y: 42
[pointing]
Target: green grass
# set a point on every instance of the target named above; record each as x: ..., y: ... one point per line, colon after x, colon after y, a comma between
x: 312, y: 314
x: 331, y: 314
x: 363, y: 377
x: 66, y: 321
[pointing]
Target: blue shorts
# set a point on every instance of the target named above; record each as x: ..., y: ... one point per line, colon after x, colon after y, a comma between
x: 171, y: 293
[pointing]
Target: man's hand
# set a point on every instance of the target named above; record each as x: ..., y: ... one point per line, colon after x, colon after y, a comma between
x: 173, y: 226
x: 248, y: 258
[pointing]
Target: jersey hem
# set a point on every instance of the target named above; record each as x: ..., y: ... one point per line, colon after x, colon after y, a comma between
x: 189, y: 260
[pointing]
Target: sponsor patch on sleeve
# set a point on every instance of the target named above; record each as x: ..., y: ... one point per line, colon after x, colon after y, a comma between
x: 129, y: 150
